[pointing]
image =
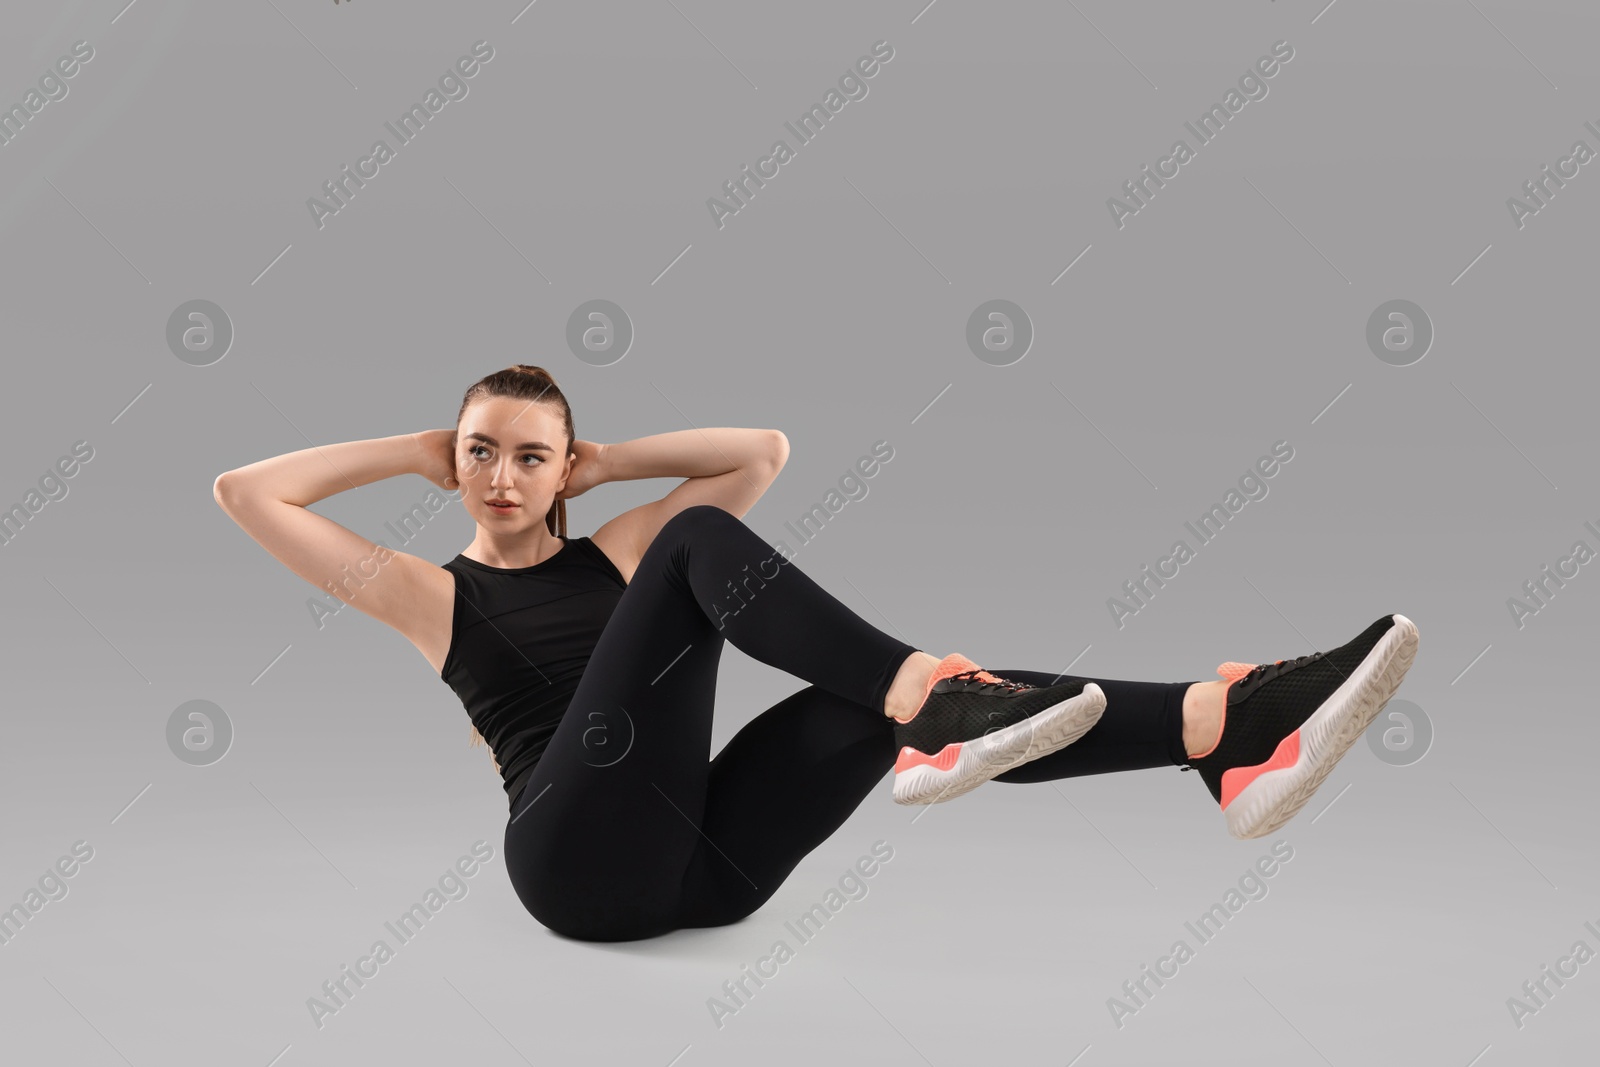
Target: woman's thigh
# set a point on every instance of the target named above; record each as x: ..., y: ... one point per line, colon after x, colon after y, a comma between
x: 605, y: 828
x: 779, y: 788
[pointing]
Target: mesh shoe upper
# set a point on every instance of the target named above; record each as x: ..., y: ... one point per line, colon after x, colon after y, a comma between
x: 968, y: 705
x: 1275, y: 699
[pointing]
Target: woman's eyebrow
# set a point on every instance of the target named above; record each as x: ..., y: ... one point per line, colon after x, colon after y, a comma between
x: 526, y: 445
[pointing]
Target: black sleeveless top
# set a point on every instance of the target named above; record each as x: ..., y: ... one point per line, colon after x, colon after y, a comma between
x: 520, y: 638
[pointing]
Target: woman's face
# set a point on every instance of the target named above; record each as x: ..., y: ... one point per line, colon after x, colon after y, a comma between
x: 510, y: 451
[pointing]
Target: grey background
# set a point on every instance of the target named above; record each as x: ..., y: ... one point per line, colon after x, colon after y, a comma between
x: 1227, y: 315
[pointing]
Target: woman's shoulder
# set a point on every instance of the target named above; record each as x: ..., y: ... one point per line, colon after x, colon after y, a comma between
x: 606, y: 556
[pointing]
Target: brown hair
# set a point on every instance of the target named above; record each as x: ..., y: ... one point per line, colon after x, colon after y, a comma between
x: 523, y: 381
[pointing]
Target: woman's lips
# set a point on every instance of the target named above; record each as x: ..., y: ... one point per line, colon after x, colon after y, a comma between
x: 502, y: 506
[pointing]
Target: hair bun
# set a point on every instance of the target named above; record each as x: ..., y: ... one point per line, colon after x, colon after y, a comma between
x: 537, y: 373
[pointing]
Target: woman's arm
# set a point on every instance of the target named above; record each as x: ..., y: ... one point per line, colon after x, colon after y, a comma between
x: 726, y: 467
x: 313, y: 474
x: 705, y: 453
x: 269, y: 498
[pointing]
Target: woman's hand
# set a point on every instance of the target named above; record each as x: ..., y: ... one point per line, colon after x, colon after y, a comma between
x: 588, y: 470
x: 438, y: 458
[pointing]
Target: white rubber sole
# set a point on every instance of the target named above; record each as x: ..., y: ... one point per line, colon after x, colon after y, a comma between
x: 1276, y: 796
x: 982, y: 758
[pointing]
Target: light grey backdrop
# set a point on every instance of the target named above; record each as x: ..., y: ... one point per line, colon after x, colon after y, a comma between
x: 1228, y: 313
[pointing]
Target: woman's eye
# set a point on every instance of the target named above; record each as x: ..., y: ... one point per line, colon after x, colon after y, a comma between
x: 536, y: 459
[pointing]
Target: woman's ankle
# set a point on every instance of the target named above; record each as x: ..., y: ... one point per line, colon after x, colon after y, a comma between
x: 1202, y: 716
x: 910, y: 682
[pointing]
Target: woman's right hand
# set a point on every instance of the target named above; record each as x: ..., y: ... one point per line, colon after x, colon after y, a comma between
x: 438, y: 463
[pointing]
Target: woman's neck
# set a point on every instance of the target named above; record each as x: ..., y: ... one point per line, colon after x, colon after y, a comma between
x: 523, y: 551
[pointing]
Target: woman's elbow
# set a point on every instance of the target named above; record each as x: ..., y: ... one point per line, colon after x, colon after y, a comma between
x: 780, y: 449
x: 225, y: 490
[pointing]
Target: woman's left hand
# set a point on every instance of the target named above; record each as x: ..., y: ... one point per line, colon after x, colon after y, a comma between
x: 588, y: 469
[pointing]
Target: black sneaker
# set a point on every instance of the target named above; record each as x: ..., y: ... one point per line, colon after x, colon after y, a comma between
x: 1287, y: 723
x: 973, y: 725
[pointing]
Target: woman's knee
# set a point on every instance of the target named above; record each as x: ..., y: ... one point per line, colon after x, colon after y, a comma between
x: 721, y: 914
x: 694, y: 518
x: 566, y: 892
x: 613, y: 928
x: 582, y: 915
x: 692, y: 524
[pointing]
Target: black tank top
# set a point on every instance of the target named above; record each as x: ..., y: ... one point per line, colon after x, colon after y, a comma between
x: 520, y: 638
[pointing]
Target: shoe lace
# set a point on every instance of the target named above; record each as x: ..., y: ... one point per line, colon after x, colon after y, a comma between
x: 1237, y: 673
x: 1244, y: 672
x: 988, y: 680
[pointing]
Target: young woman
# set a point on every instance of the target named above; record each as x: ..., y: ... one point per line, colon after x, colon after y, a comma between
x: 589, y: 664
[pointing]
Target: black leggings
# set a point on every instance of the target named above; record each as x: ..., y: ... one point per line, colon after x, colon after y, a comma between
x: 626, y: 831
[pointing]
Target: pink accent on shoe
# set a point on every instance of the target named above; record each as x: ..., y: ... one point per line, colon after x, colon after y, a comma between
x: 910, y: 757
x: 1235, y: 779
x: 954, y: 663
x: 1234, y: 671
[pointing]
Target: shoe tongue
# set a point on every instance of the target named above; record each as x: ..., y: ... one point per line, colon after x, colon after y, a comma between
x: 1234, y: 671
x: 954, y: 663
